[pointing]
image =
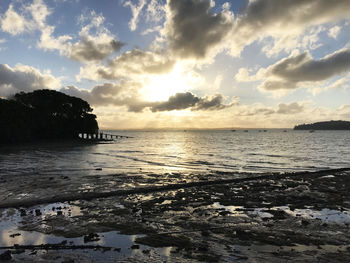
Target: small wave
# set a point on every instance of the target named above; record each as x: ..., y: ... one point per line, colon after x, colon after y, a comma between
x: 199, y: 162
x: 129, y: 151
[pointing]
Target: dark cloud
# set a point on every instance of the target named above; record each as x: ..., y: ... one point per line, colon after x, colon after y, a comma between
x: 187, y: 100
x: 211, y: 103
x: 287, y: 73
x: 91, y: 50
x: 24, y: 78
x: 179, y: 101
x: 304, y: 68
x: 192, y: 29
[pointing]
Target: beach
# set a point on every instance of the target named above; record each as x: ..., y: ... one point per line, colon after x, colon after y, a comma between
x: 132, y: 210
x: 298, y: 217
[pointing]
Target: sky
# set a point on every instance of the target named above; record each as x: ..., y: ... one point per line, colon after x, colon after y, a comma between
x: 145, y: 64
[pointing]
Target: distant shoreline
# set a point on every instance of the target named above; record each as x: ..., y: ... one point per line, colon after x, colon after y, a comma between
x: 325, y: 125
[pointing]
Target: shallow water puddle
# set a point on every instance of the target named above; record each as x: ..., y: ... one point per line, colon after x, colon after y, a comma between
x: 113, y: 245
x: 326, y: 215
x: 242, y: 211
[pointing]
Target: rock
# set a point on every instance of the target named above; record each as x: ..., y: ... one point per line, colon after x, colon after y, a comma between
x: 59, y: 213
x: 18, y: 251
x: 305, y: 222
x: 135, y: 247
x: 224, y: 213
x: 91, y: 238
x: 15, y: 235
x: 23, y: 212
x: 6, y: 256
x: 38, y: 212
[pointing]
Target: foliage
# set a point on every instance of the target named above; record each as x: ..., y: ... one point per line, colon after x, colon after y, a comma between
x: 44, y: 114
x: 325, y: 125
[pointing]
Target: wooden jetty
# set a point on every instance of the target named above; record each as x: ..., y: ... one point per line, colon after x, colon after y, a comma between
x: 100, y: 136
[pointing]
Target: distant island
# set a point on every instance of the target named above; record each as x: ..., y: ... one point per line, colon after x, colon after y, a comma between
x: 44, y: 115
x: 325, y: 125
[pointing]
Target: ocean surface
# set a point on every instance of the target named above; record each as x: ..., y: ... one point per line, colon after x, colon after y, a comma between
x: 253, y: 151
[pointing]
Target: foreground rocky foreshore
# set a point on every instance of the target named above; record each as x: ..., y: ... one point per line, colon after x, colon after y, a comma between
x: 298, y: 217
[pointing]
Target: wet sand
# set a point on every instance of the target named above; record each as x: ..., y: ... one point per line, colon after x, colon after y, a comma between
x: 175, y: 217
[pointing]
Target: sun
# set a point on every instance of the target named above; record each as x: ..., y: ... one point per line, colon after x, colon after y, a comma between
x: 161, y: 87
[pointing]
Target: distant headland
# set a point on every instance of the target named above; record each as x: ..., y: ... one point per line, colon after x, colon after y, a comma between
x: 44, y: 115
x: 325, y: 125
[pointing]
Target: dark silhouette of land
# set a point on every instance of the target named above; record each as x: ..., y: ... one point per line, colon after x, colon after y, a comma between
x: 44, y: 115
x: 325, y: 125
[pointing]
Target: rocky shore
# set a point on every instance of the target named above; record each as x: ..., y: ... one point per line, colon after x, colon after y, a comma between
x: 297, y: 217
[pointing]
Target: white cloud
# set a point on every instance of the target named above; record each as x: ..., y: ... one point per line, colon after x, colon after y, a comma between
x: 136, y: 11
x: 14, y: 23
x: 334, y: 32
x: 155, y: 11
x: 24, y: 78
x: 90, y: 47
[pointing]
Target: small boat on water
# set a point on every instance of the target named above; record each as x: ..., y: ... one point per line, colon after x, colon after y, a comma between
x: 265, y: 130
x: 233, y: 130
x: 311, y: 131
x: 245, y: 130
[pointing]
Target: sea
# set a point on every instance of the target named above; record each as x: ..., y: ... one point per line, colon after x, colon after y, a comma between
x: 190, y: 151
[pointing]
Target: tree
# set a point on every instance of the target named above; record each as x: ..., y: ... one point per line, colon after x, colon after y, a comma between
x: 46, y: 114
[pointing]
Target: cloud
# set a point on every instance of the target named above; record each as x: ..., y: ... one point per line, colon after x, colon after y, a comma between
x: 281, y: 109
x: 94, y: 48
x: 126, y: 94
x: 214, y: 102
x: 300, y: 70
x: 155, y: 11
x: 179, y: 101
x: 280, y: 19
x: 292, y: 108
x: 135, y: 10
x: 334, y: 32
x: 13, y: 23
x: 187, y: 100
x: 192, y: 29
x: 24, y: 78
x: 288, y: 73
x: 90, y: 47
x: 130, y: 63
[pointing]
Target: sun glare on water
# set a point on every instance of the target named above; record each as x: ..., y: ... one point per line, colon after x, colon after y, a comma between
x: 161, y: 87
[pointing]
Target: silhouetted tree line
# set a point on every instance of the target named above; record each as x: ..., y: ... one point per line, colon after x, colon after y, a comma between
x: 325, y: 125
x: 44, y: 114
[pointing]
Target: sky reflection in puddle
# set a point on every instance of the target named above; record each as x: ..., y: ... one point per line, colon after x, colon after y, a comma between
x: 10, y: 221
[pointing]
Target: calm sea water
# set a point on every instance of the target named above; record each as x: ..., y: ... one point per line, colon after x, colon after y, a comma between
x: 187, y: 151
